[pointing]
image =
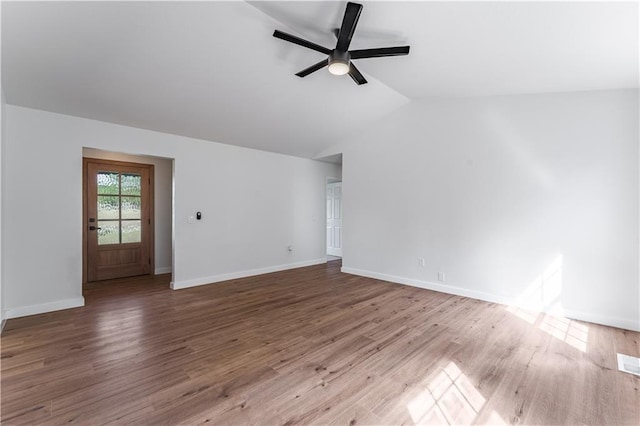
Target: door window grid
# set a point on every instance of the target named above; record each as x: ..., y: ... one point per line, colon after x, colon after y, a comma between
x: 119, y: 208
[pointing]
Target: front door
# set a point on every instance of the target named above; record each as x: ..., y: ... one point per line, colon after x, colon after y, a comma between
x: 118, y: 219
x: 334, y: 219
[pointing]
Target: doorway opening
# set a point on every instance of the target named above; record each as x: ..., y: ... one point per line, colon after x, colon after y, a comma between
x: 127, y: 215
x: 334, y: 219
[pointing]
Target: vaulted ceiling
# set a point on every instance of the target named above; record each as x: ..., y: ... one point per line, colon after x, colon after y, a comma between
x: 212, y: 70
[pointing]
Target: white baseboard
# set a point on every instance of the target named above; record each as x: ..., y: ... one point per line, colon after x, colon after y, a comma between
x: 4, y: 321
x: 487, y: 297
x: 178, y: 285
x: 604, y: 320
x: 442, y: 288
x: 23, y: 311
x: 162, y: 270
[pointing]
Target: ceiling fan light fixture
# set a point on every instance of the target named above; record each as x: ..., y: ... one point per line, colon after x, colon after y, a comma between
x: 338, y: 68
x: 339, y: 62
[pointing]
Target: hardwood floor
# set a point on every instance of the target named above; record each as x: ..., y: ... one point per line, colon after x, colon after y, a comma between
x: 309, y: 346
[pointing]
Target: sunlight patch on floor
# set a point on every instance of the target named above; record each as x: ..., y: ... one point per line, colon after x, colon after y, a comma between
x: 569, y: 331
x: 449, y: 398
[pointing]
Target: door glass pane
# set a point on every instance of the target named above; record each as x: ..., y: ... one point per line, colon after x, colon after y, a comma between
x: 108, y: 232
x: 131, y: 184
x: 108, y: 207
x: 131, y: 231
x: 131, y: 207
x: 108, y: 183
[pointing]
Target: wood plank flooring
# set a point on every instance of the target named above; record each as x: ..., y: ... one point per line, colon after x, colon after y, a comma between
x: 309, y: 346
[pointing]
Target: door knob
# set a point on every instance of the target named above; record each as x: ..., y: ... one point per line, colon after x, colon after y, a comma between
x: 93, y: 228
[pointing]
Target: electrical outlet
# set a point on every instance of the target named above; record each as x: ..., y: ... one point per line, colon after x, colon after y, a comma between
x: 421, y: 262
x: 441, y: 276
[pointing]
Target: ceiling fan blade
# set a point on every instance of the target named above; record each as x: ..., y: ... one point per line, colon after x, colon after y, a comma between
x: 313, y: 68
x: 355, y: 75
x: 301, y: 42
x: 349, y: 22
x: 379, y: 52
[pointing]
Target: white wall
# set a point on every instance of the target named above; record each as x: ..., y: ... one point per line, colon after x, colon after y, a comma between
x: 254, y: 205
x: 162, y: 203
x: 3, y: 129
x: 513, y: 198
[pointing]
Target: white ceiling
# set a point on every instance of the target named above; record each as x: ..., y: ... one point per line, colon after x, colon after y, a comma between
x: 212, y: 70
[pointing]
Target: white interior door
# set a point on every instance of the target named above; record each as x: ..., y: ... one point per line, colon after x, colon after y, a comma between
x: 334, y: 219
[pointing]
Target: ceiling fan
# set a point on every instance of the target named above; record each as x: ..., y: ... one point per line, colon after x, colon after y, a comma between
x: 340, y: 59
